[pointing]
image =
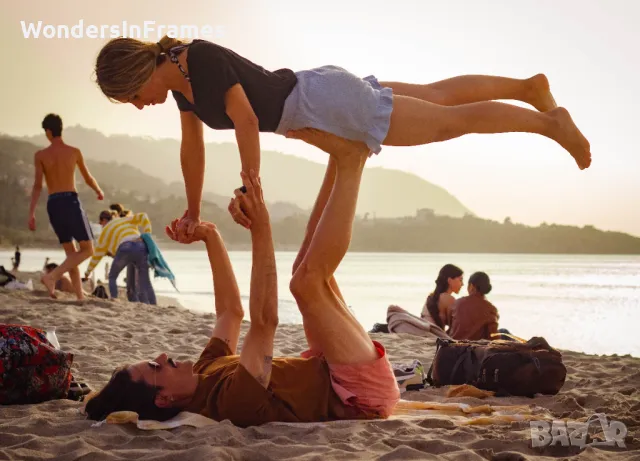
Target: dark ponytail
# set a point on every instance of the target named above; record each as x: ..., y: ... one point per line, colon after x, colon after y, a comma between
x: 120, y: 210
x: 448, y: 271
x: 481, y: 281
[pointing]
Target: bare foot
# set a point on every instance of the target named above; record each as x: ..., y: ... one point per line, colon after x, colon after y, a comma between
x: 539, y: 94
x: 567, y: 134
x: 48, y: 282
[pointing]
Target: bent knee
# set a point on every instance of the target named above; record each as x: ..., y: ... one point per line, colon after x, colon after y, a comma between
x: 87, y: 249
x: 307, y: 281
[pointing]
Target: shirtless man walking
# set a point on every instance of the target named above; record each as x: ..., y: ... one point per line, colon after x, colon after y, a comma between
x: 57, y: 163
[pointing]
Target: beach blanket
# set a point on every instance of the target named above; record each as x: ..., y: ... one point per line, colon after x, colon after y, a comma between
x: 460, y: 414
x: 156, y: 261
x: 401, y: 321
x: 183, y: 418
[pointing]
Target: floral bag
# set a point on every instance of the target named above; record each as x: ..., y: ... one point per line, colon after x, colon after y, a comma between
x: 32, y: 370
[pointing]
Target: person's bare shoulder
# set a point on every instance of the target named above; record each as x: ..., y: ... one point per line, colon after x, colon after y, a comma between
x: 73, y: 153
x: 73, y: 150
x: 446, y: 299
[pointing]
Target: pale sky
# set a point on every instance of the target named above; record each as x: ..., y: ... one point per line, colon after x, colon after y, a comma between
x: 588, y: 49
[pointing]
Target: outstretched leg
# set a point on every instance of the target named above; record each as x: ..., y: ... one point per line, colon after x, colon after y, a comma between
x: 466, y: 89
x: 416, y: 122
x: 334, y: 331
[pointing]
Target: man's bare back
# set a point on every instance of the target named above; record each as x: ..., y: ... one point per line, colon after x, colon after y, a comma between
x: 59, y: 163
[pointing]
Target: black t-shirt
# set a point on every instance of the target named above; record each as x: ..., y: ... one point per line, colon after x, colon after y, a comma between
x: 214, y: 69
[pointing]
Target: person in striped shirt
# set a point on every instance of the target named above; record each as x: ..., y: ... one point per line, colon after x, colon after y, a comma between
x: 121, y: 237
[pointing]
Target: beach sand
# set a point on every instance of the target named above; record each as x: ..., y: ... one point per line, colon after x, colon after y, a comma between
x: 104, y: 334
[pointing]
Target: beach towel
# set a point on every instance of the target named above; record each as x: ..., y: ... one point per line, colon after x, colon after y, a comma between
x: 467, y: 390
x: 17, y: 285
x: 401, y: 321
x: 184, y: 418
x: 156, y: 261
x: 460, y: 414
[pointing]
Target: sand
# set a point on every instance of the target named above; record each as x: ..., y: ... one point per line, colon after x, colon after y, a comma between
x: 103, y: 334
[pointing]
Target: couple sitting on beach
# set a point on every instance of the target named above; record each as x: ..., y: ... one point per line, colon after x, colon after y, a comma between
x: 343, y: 375
x: 471, y: 317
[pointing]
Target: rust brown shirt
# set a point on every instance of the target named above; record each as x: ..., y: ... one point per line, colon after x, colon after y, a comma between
x: 299, y: 391
x: 473, y: 318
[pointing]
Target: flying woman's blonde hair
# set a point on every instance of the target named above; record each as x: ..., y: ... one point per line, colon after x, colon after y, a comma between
x: 124, y: 65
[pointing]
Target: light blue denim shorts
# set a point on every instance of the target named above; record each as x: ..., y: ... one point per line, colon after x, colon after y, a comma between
x: 331, y: 99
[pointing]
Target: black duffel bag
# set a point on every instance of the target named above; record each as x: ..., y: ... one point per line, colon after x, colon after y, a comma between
x: 504, y: 367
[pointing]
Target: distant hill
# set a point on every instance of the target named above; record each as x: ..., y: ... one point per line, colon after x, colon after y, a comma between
x: 289, y: 179
x: 423, y: 232
x: 133, y: 188
x: 126, y: 179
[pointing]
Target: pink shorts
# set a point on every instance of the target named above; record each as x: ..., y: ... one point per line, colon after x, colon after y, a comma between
x: 371, y: 387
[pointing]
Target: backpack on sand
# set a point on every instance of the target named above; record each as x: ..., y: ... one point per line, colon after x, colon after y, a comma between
x: 504, y: 367
x: 5, y: 277
x: 100, y: 292
x: 32, y: 370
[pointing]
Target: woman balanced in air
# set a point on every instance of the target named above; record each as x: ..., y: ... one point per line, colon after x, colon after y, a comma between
x: 215, y: 86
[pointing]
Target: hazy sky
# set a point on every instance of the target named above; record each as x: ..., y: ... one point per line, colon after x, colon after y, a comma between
x: 588, y: 49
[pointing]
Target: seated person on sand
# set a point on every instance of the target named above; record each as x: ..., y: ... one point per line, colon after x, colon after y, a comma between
x: 64, y: 283
x: 436, y: 307
x: 344, y: 375
x: 473, y: 317
x: 121, y: 238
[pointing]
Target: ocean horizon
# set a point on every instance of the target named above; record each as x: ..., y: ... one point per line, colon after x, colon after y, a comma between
x: 584, y: 303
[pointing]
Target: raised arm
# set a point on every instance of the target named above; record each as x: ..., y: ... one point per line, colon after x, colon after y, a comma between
x: 257, y: 350
x: 229, y: 312
x: 100, y: 251
x: 90, y: 180
x: 36, y: 190
x: 192, y: 162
